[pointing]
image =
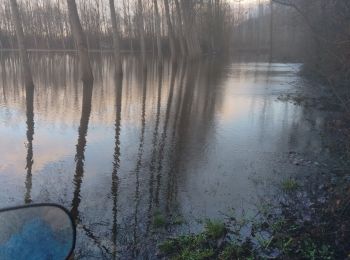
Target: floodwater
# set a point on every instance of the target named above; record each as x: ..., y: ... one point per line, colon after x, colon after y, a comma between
x: 184, y: 141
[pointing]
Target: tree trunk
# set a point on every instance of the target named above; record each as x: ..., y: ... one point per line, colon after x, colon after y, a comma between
x: 116, y: 39
x: 271, y: 30
x: 142, y: 31
x: 80, y: 41
x: 181, y: 33
x: 28, y: 79
x: 190, y: 33
x: 158, y: 32
x: 29, y: 85
x: 170, y: 30
x: 80, y: 148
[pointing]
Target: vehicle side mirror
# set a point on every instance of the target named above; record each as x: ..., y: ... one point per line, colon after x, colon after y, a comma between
x: 43, y: 231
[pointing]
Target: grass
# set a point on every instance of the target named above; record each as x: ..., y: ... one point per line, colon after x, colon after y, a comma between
x: 159, y: 221
x: 215, y: 229
x: 195, y: 255
x: 284, y: 241
x: 178, y: 220
x: 313, y: 226
x: 289, y: 185
x: 280, y: 234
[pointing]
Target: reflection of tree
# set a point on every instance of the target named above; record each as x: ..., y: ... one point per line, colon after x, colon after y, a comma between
x: 154, y: 145
x: 30, y: 134
x: 80, y: 152
x: 3, y: 76
x: 29, y: 85
x: 184, y: 114
x: 180, y: 96
x: 171, y: 191
x: 164, y: 134
x: 196, y: 112
x: 139, y: 158
x: 116, y: 157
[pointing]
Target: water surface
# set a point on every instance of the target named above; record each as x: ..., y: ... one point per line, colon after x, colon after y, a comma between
x: 184, y: 140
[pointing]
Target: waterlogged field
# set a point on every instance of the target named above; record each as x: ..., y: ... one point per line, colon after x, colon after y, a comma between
x: 147, y: 156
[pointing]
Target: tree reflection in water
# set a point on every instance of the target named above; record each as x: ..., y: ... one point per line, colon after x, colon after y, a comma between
x: 152, y: 139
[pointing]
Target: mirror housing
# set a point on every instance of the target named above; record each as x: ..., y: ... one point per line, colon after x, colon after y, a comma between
x: 37, y: 231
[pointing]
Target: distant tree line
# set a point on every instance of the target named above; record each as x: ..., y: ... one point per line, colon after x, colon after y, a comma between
x: 177, y: 27
x: 326, y: 43
x: 315, y: 32
x: 187, y: 27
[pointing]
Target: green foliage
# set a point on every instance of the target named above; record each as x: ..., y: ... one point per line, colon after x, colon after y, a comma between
x: 311, y: 251
x: 289, y: 185
x: 215, y: 229
x: 168, y: 247
x: 200, y: 254
x: 178, y: 220
x: 286, y: 239
x: 278, y: 231
x: 236, y: 251
x: 159, y: 221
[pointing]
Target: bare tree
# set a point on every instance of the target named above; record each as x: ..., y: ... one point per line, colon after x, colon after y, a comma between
x: 81, y: 43
x: 157, y: 29
x: 271, y: 30
x: 171, y: 34
x: 21, y: 45
x: 141, y: 30
x: 192, y: 42
x: 116, y: 38
x: 29, y: 86
x: 180, y: 28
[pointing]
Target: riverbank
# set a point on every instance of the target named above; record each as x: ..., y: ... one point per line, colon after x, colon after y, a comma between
x: 310, y: 217
x: 304, y: 224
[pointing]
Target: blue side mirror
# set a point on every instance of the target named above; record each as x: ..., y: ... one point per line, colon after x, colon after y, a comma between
x: 43, y: 231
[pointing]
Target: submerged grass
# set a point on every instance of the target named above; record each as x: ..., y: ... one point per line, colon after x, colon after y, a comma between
x: 215, y: 229
x: 281, y: 240
x: 292, y: 229
x: 159, y: 221
x: 289, y: 185
x: 310, y: 219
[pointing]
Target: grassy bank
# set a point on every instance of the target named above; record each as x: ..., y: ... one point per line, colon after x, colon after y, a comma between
x: 298, y: 227
x: 309, y: 219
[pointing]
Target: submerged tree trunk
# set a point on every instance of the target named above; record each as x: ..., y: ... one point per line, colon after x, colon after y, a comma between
x: 116, y: 160
x: 116, y: 39
x: 80, y: 148
x: 21, y: 45
x: 80, y: 41
x: 192, y: 41
x: 180, y: 29
x: 157, y: 29
x: 142, y: 31
x: 271, y: 30
x: 30, y: 135
x: 170, y: 30
x: 29, y: 86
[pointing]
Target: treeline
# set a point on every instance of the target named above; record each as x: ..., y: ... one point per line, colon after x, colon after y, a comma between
x: 315, y: 32
x: 185, y: 26
x: 266, y: 27
x: 326, y: 42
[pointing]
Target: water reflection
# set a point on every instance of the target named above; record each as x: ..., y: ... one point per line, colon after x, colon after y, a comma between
x: 116, y: 159
x: 176, y: 140
x: 164, y: 133
x: 29, y: 87
x: 153, y: 161
x: 81, y: 145
x: 136, y: 172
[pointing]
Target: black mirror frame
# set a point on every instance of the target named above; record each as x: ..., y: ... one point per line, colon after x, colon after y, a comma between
x: 54, y: 206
